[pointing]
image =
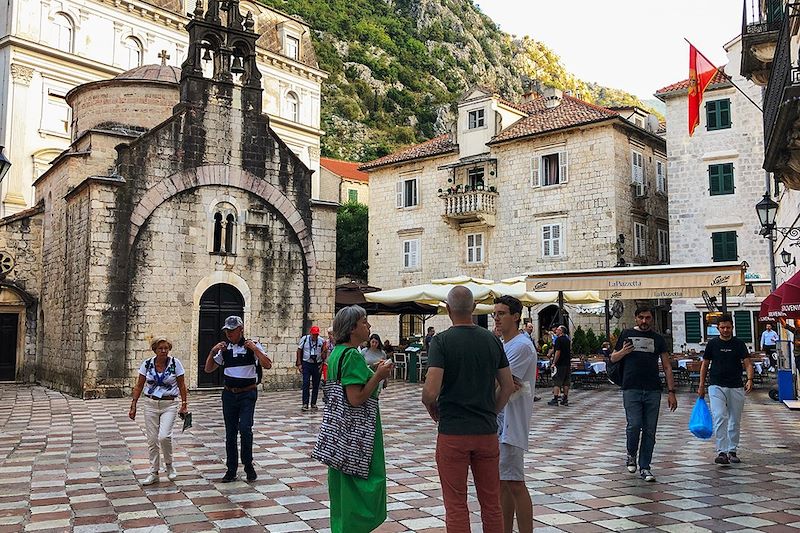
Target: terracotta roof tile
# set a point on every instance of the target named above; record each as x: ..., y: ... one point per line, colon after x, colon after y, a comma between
x: 345, y: 169
x: 442, y: 144
x: 570, y: 112
x: 683, y: 85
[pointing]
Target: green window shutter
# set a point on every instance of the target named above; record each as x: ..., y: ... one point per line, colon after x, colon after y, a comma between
x: 694, y: 332
x: 711, y: 115
x: 352, y: 195
x: 724, y: 112
x: 723, y: 246
x: 714, y: 173
x: 726, y: 181
x: 742, y: 325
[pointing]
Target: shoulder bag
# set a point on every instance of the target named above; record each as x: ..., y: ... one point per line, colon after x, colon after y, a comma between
x: 347, y: 434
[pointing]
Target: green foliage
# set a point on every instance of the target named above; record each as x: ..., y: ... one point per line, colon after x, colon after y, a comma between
x: 592, y: 342
x: 579, y: 345
x: 351, y: 240
x: 614, y: 336
x: 420, y: 57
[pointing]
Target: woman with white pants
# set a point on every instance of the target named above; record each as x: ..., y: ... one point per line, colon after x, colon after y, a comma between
x: 161, y: 379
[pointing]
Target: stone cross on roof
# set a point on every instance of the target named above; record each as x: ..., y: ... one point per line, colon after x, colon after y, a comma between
x: 163, y: 56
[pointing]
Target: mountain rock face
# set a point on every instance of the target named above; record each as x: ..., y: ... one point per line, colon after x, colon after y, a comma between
x: 398, y: 67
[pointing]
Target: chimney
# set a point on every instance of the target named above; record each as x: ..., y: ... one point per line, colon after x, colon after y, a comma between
x: 533, y: 89
x: 552, y: 97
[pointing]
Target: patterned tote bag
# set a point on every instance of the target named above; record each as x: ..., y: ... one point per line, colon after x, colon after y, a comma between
x: 347, y: 434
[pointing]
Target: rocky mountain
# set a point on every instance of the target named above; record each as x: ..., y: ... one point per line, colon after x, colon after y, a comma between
x: 397, y: 68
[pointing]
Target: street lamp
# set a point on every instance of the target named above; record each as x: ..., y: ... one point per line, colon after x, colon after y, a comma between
x: 767, y: 210
x: 5, y: 164
x: 787, y: 259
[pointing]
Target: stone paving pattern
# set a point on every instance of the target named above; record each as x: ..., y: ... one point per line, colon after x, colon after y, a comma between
x: 72, y: 465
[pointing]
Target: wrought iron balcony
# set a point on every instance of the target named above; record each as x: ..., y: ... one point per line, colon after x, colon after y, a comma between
x: 782, y: 107
x: 761, y: 24
x: 471, y: 206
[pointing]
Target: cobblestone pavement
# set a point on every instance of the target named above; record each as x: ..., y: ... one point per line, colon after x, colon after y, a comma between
x: 72, y: 465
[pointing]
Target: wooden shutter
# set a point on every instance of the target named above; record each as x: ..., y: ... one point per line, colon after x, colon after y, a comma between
x: 711, y: 115
x: 414, y: 192
x: 726, y: 178
x: 693, y: 321
x: 743, y: 327
x: 562, y: 167
x: 724, y: 113
x: 731, y: 251
x: 399, y: 194
x: 535, y: 182
x: 714, y: 184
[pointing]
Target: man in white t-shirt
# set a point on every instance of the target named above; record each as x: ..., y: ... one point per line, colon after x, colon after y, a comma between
x: 515, y: 420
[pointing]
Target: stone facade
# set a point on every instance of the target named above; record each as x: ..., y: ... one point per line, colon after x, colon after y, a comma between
x: 52, y: 47
x: 594, y: 205
x: 694, y: 213
x: 142, y: 217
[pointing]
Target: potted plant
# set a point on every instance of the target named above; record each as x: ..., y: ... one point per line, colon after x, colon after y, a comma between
x: 479, y: 186
x: 467, y: 188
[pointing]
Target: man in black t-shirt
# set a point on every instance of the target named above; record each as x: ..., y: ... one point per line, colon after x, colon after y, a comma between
x: 726, y: 392
x: 562, y: 356
x: 639, y: 350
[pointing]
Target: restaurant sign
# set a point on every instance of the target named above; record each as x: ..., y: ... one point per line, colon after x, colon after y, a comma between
x: 666, y: 284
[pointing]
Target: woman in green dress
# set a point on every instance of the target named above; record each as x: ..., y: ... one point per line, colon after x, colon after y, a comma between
x: 357, y: 505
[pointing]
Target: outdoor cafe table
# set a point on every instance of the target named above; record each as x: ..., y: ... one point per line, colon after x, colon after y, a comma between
x: 598, y: 366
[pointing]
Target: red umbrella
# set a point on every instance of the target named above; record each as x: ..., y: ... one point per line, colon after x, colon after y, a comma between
x: 790, y: 298
x: 771, y: 306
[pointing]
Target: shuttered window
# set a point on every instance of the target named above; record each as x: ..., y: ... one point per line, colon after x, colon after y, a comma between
x: 694, y: 331
x: 720, y: 179
x: 742, y: 326
x: 723, y: 244
x: 718, y: 114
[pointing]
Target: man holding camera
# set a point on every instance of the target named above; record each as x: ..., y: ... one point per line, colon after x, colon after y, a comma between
x: 639, y: 349
x: 311, y: 352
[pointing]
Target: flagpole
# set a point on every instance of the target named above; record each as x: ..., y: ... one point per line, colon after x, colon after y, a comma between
x: 726, y: 76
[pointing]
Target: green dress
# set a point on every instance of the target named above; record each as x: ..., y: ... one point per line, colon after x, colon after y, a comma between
x: 357, y: 505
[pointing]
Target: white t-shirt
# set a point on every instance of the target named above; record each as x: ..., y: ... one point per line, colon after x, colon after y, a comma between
x: 167, y: 385
x: 312, y: 350
x: 516, y: 416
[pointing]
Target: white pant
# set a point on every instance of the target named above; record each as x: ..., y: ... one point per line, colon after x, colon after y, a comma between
x: 726, y: 409
x: 159, y: 417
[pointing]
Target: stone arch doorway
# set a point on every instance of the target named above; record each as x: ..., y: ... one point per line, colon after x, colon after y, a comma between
x: 548, y: 317
x: 217, y: 302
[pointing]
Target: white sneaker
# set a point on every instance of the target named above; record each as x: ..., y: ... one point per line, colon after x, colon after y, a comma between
x: 172, y: 474
x: 150, y: 480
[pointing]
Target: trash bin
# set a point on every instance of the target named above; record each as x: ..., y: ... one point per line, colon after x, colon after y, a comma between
x: 785, y: 385
x: 412, y: 362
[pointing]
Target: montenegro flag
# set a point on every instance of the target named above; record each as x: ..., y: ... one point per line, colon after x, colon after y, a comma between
x: 701, y: 71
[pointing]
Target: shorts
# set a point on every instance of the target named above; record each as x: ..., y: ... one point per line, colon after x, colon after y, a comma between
x: 512, y: 463
x: 562, y: 376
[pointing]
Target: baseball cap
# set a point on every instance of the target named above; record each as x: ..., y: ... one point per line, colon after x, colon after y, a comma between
x: 233, y: 322
x: 314, y: 330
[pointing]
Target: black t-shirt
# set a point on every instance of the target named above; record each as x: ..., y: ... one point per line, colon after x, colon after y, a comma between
x: 640, y: 367
x: 562, y: 344
x: 470, y: 357
x: 726, y: 362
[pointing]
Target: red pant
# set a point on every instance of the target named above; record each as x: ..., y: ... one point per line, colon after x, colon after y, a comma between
x: 455, y: 454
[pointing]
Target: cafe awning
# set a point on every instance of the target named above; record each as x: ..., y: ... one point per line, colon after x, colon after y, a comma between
x: 784, y: 302
x: 353, y: 294
x: 644, y: 282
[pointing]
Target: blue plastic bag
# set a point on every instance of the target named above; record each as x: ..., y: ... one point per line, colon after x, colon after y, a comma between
x: 700, y: 423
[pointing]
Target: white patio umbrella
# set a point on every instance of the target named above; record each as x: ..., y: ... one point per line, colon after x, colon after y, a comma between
x: 517, y: 288
x: 433, y: 293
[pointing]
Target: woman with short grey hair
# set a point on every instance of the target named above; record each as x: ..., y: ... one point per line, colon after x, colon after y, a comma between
x: 357, y: 505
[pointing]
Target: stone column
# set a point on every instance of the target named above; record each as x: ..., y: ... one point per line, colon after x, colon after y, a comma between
x: 14, y: 198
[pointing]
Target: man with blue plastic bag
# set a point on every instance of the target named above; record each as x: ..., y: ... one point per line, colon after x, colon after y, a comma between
x: 639, y: 350
x: 724, y: 355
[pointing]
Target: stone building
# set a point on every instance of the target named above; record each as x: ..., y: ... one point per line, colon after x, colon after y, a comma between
x: 715, y: 181
x: 175, y: 205
x: 547, y: 184
x: 50, y: 47
x: 343, y: 182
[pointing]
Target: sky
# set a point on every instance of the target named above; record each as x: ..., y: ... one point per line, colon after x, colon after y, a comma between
x: 634, y: 45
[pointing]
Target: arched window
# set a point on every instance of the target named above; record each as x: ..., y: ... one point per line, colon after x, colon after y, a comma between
x: 63, y: 32
x: 217, y: 246
x: 131, y: 53
x: 222, y: 240
x: 292, y: 106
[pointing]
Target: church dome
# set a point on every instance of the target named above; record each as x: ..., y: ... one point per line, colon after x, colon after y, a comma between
x: 164, y: 73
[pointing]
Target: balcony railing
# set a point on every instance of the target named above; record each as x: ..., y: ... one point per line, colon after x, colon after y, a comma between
x: 783, y: 74
x: 472, y: 206
x: 756, y: 21
x: 761, y: 22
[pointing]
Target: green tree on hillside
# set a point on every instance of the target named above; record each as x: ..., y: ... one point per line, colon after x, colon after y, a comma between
x: 352, y: 226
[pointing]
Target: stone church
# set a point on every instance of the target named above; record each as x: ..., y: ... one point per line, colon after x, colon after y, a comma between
x: 174, y: 206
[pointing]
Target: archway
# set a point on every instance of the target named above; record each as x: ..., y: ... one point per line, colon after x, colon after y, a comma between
x: 548, y: 317
x: 218, y: 302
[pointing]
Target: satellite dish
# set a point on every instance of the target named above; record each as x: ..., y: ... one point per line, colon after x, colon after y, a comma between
x: 711, y: 302
x: 617, y: 308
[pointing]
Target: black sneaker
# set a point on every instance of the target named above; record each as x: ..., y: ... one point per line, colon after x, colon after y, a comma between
x: 733, y: 458
x: 304, y: 408
x: 554, y: 401
x: 229, y: 477
x: 722, y: 459
x: 630, y: 463
x: 251, y: 473
x: 647, y: 475
x: 314, y: 406
x: 565, y: 401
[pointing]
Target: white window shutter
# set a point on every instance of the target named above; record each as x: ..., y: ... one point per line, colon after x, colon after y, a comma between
x: 415, y: 188
x: 556, y: 248
x: 535, y: 171
x: 399, y: 194
x: 415, y: 253
x: 562, y: 167
x: 546, y: 241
